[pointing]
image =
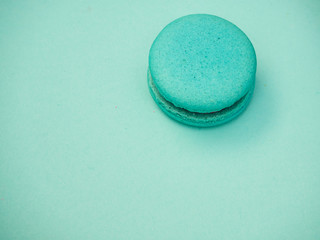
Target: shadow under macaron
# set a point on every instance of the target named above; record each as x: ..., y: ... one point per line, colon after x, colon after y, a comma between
x: 250, y: 126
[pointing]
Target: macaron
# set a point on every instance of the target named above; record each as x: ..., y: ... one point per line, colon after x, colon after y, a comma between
x: 202, y: 70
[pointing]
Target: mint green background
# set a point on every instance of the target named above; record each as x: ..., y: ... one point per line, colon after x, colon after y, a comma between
x: 85, y: 153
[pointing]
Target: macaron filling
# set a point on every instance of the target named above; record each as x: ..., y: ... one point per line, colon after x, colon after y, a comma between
x: 179, y: 109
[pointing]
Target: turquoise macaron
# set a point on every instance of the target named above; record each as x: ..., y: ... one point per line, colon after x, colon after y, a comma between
x: 202, y: 70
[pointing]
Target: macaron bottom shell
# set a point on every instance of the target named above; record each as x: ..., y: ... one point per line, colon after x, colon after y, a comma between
x: 199, y: 119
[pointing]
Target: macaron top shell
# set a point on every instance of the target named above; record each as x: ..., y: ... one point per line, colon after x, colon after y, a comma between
x: 202, y: 63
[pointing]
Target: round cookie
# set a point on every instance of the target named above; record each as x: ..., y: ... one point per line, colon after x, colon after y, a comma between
x: 202, y: 70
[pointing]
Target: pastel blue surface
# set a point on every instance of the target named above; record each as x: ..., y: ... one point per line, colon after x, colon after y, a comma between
x: 85, y: 153
x: 202, y: 63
